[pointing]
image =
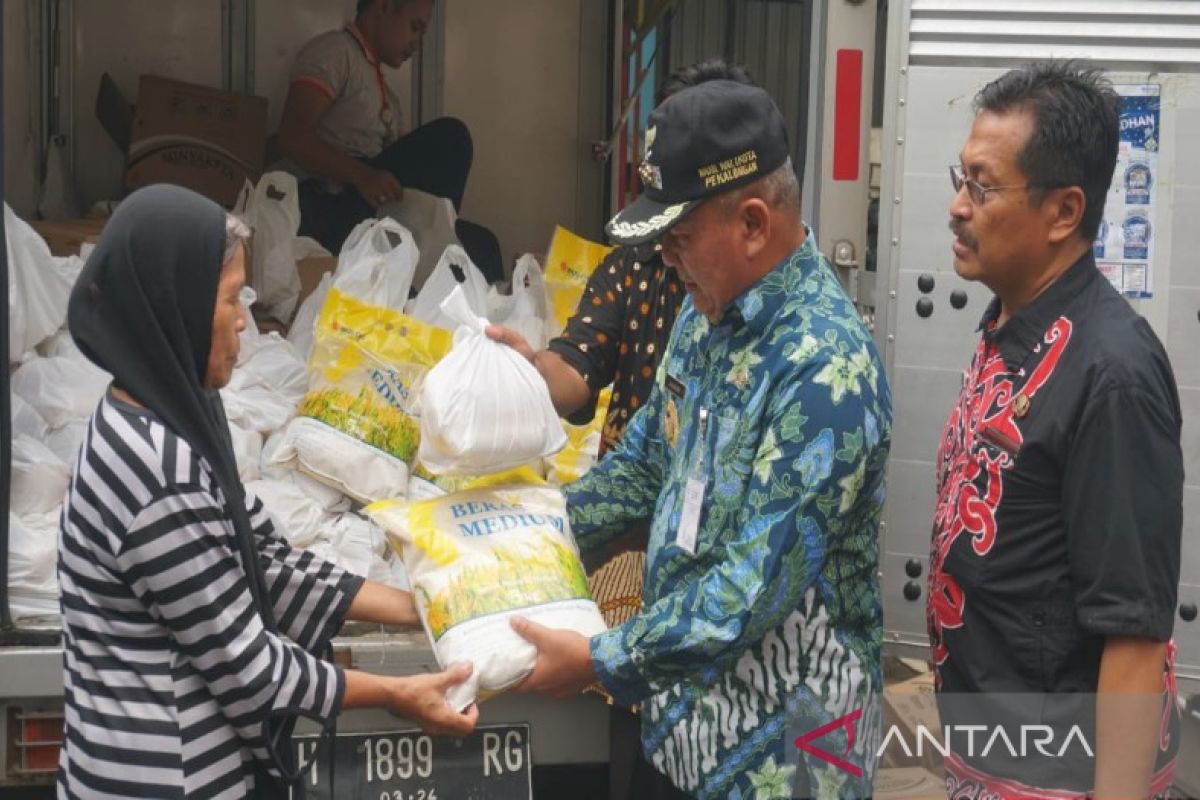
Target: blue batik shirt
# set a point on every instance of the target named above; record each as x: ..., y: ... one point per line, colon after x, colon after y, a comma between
x: 769, y: 625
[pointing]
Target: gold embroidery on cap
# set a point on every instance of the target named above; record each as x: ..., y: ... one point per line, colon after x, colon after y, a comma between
x: 730, y: 169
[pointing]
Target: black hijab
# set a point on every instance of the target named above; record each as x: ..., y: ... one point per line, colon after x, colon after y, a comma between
x: 142, y: 309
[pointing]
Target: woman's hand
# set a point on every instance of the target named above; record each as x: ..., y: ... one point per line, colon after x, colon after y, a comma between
x: 422, y: 699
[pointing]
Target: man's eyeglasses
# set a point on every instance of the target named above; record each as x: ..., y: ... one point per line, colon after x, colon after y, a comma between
x: 977, y: 191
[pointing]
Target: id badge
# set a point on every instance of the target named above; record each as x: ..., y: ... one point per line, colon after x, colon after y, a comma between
x: 689, y: 521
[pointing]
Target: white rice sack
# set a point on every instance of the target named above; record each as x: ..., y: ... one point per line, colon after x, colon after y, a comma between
x: 39, y: 477
x: 298, y: 518
x: 340, y: 460
x: 484, y: 408
x: 479, y: 557
x: 62, y: 388
x: 33, y: 563
x: 327, y: 497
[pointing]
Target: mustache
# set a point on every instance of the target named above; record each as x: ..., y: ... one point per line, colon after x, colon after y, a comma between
x: 959, y: 229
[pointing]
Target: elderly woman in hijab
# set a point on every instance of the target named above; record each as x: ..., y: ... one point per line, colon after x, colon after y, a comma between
x: 176, y: 588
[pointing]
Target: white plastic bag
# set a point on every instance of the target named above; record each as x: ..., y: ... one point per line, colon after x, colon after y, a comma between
x: 298, y: 517
x: 59, y: 200
x: 526, y: 310
x: 26, y: 421
x: 377, y: 262
x: 63, y: 389
x: 37, y: 287
x: 273, y: 213
x: 247, y: 451
x: 32, y: 563
x: 477, y: 558
x: 300, y: 335
x: 431, y: 220
x: 67, y: 441
x: 328, y: 498
x: 484, y: 408
x: 39, y: 477
x: 427, y: 306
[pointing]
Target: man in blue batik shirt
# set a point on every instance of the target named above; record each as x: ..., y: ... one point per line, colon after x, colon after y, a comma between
x: 760, y: 458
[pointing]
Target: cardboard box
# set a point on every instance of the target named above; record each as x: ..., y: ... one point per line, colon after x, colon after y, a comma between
x: 910, y: 705
x: 66, y: 236
x: 908, y: 783
x: 205, y: 139
x: 310, y: 270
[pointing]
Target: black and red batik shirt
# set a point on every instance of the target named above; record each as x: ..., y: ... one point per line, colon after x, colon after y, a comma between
x: 1058, y: 523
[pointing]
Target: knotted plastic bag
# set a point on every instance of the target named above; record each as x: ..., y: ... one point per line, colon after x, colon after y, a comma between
x: 484, y: 407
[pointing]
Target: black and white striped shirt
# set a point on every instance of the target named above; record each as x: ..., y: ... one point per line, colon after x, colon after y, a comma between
x: 168, y: 670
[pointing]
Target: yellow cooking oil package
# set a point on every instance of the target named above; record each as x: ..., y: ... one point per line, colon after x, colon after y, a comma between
x: 583, y: 445
x: 356, y: 429
x: 570, y: 261
x: 480, y: 556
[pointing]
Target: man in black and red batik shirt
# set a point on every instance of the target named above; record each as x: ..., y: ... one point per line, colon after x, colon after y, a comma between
x: 1056, y: 537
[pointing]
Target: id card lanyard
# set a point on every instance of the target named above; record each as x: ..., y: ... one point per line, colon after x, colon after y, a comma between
x: 693, y: 493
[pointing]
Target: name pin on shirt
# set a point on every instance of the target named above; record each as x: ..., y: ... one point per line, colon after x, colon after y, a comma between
x: 693, y: 493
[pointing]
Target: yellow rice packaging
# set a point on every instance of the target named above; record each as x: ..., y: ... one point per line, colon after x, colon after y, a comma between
x: 356, y: 429
x: 478, y: 557
x: 569, y: 263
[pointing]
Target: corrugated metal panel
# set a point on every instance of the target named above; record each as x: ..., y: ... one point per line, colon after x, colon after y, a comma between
x: 1147, y: 33
x: 766, y: 36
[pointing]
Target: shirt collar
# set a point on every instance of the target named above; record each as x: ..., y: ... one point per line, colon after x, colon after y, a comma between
x: 368, y: 51
x: 1023, y: 330
x: 757, y: 306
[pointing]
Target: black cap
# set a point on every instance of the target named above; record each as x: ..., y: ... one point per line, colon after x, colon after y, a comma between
x: 703, y: 141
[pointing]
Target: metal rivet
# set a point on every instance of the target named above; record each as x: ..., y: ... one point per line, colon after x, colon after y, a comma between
x: 896, y: 200
x: 924, y: 308
x: 895, y: 241
x: 912, y: 591
x: 904, y: 70
x: 900, y: 140
x: 1187, y: 612
x: 925, y: 283
x: 891, y: 337
x: 892, y: 294
x: 958, y: 298
x: 901, y: 101
x: 912, y: 568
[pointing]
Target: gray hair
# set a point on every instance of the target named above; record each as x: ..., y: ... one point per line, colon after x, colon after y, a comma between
x: 237, y: 234
x: 779, y: 188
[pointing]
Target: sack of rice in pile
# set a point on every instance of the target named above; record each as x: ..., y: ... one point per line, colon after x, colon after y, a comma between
x: 478, y: 557
x: 356, y: 428
x: 484, y: 407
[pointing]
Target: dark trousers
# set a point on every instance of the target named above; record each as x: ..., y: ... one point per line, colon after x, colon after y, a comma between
x: 630, y: 775
x: 435, y: 158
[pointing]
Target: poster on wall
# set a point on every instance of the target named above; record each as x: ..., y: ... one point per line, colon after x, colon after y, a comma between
x: 1124, y: 246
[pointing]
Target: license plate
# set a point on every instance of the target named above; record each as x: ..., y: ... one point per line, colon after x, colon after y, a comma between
x: 493, y: 763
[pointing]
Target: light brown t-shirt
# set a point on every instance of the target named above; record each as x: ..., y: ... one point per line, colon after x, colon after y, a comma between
x: 365, y: 115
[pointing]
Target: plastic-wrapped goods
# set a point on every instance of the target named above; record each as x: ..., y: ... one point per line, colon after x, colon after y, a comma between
x: 356, y: 429
x: 39, y: 477
x: 583, y: 445
x: 484, y: 408
x: 62, y: 389
x: 38, y: 286
x: 479, y: 557
x: 526, y: 309
x: 33, y: 564
x: 569, y: 263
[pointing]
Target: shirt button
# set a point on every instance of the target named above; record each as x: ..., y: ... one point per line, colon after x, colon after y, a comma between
x: 1039, y: 619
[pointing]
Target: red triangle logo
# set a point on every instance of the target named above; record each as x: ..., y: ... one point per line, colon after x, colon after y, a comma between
x: 848, y: 722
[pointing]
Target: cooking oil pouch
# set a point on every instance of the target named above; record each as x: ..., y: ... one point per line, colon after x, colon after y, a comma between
x: 356, y: 429
x: 478, y: 557
x: 570, y: 261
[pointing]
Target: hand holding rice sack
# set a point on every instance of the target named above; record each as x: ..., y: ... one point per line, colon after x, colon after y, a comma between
x: 479, y: 559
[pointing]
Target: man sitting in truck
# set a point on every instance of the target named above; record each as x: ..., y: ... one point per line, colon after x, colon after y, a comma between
x: 342, y: 130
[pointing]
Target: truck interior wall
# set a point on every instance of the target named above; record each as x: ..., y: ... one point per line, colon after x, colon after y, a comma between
x: 179, y: 39
x: 20, y: 76
x: 528, y: 77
